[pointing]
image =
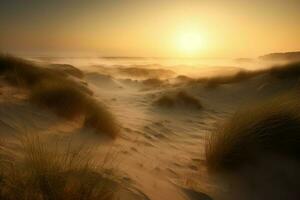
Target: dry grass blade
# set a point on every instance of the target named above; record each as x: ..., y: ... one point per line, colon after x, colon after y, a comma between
x: 268, y: 128
x: 51, y: 89
x: 47, y: 173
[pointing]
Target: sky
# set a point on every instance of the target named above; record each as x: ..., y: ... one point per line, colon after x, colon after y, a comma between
x: 151, y: 28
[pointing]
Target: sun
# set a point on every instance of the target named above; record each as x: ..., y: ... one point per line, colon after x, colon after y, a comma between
x: 189, y: 43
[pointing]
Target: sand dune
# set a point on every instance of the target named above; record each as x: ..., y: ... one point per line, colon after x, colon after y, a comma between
x: 288, y: 56
x: 180, y: 99
x: 146, y: 73
x: 160, y: 120
x: 102, y: 80
x: 135, y: 72
x: 67, y: 69
x: 259, y: 144
x: 65, y: 97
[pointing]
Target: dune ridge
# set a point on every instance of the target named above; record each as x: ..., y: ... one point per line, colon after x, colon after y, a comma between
x: 50, y: 89
x: 284, y: 71
x: 257, y: 151
x: 165, y: 120
x: 287, y: 56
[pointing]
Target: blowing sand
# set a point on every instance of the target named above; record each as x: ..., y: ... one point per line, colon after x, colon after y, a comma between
x: 149, y: 130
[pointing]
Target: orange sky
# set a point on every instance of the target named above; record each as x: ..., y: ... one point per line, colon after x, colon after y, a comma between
x: 160, y: 28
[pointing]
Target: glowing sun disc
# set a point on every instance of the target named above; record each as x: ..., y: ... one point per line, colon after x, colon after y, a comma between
x: 190, y: 43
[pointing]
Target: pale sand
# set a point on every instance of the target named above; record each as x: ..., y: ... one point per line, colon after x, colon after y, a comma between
x: 159, y: 151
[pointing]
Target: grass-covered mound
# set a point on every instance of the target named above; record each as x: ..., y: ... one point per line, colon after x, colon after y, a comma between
x: 154, y: 82
x: 240, y: 76
x: 38, y: 171
x: 51, y: 89
x: 179, y: 99
x: 287, y: 56
x: 272, y: 128
x: 67, y: 70
x: 100, y: 119
x: 70, y: 102
x: 286, y: 71
x: 23, y: 73
x: 63, y: 99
